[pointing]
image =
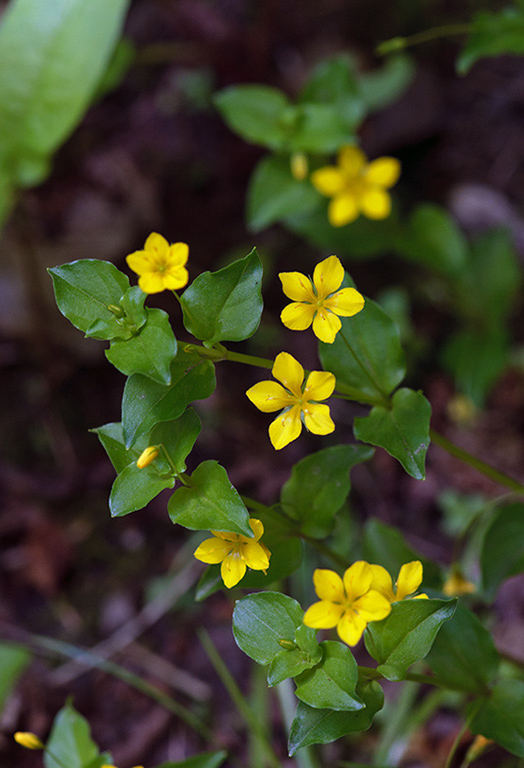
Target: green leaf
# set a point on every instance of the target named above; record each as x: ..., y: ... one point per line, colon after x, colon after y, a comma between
x: 112, y: 438
x: 476, y: 358
x: 362, y: 238
x: 70, y: 741
x: 210, y: 502
x: 150, y: 352
x: 52, y: 56
x: 146, y: 403
x: 334, y: 82
x: 502, y: 552
x: 225, y: 305
x: 255, y: 112
x: 321, y: 726
x: 286, y: 556
x: 262, y: 620
x: 501, y: 716
x: 274, y: 193
x: 433, y: 239
x: 493, y: 34
x: 319, y: 485
x: 85, y: 289
x: 134, y: 488
x: 15, y: 659
x: 293, y: 661
x: 402, y: 430
x: 319, y: 128
x: 204, y: 760
x: 406, y: 635
x: 463, y: 655
x: 178, y: 437
x: 386, y: 546
x: 331, y: 683
x: 381, y: 87
x: 370, y: 360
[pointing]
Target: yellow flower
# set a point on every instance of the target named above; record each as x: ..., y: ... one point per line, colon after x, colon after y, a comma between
x: 235, y: 552
x: 147, y: 456
x: 409, y: 580
x: 348, y: 603
x: 357, y: 186
x: 457, y: 584
x: 114, y: 766
x: 161, y: 266
x: 298, y: 403
x: 319, y: 302
x: 28, y: 740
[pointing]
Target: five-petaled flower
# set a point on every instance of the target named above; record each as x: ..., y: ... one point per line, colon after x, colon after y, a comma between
x: 235, y: 552
x: 319, y: 301
x: 409, y: 580
x: 357, y: 186
x: 161, y: 266
x: 296, y: 402
x: 347, y: 603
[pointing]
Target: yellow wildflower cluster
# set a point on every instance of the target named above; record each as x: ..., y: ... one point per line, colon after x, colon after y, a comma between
x: 235, y: 552
x: 363, y: 594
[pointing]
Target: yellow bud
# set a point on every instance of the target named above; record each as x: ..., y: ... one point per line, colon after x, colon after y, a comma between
x: 146, y: 457
x: 28, y: 740
x: 477, y: 747
x: 299, y: 166
x: 289, y: 645
x: 461, y: 410
x: 457, y: 584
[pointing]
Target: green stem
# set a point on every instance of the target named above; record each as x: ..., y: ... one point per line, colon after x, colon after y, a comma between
x: 237, y: 697
x: 460, y: 734
x: 399, y: 43
x: 217, y: 355
x: 72, y: 652
x: 473, y: 461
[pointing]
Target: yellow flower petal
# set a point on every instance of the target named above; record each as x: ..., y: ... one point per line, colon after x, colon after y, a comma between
x: 175, y: 278
x: 318, y: 420
x: 328, y: 585
x: 375, y: 203
x: 298, y: 316
x: 233, y: 569
x: 320, y: 385
x: 343, y: 209
x: 328, y: 180
x: 140, y: 261
x: 255, y: 557
x: 178, y: 254
x: 409, y: 579
x: 258, y: 529
x: 384, y: 171
x: 285, y: 428
x: 350, y: 627
x: 326, y: 325
x: 156, y: 243
x: 226, y: 535
x: 323, y: 615
x: 346, y: 302
x: 328, y: 276
x: 352, y: 160
x: 382, y: 582
x: 151, y: 282
x: 289, y: 372
x: 372, y: 606
x: 357, y: 579
x: 297, y: 286
x: 213, y: 550
x: 268, y: 396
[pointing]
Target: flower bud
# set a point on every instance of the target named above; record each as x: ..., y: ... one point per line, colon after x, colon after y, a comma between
x: 28, y: 740
x: 299, y: 166
x: 147, y: 456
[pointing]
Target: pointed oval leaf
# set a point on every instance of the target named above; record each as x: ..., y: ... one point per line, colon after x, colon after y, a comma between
x: 321, y: 726
x: 84, y: 289
x: 403, y: 430
x: 261, y: 620
x: 331, y: 683
x: 501, y: 716
x: 255, y: 112
x: 502, y: 553
x: 210, y: 502
x: 150, y: 352
x: 225, y: 305
x: 134, y: 488
x: 70, y: 741
x: 406, y: 635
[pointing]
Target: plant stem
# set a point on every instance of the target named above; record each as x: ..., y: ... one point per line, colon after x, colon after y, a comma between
x: 399, y: 43
x: 460, y: 734
x: 473, y: 461
x: 394, y: 727
x: 237, y: 697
